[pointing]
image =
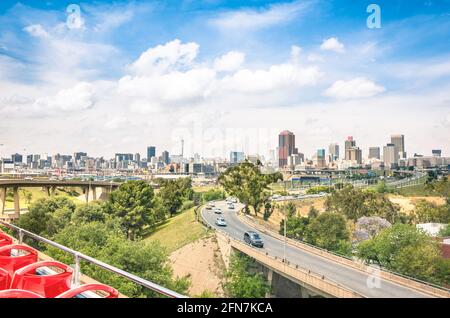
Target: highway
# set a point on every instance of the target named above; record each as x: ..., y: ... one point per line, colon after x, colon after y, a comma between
x: 344, y: 275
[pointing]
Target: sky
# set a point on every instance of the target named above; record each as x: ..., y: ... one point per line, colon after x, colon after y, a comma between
x: 222, y: 75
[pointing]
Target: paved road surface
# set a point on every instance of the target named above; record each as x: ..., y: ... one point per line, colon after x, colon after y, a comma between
x: 344, y: 275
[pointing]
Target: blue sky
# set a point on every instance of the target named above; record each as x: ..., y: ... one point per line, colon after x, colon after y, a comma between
x: 162, y: 69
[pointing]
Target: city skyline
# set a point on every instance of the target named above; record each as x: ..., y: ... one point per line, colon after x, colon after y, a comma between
x: 101, y: 89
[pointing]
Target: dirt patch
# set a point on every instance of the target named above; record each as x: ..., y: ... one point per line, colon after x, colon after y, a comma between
x: 202, y: 261
x: 407, y: 204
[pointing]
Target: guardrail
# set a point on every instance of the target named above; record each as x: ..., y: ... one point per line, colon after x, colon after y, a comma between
x: 410, y: 282
x: 306, y: 276
x: 80, y: 256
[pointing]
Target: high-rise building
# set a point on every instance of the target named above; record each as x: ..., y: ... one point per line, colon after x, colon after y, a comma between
x: 374, y: 153
x: 355, y: 154
x: 286, y: 147
x: 348, y: 144
x: 333, y: 152
x: 236, y: 157
x: 78, y: 155
x: 16, y: 158
x: 436, y: 152
x: 399, y: 143
x: 137, y: 158
x: 151, y: 152
x: 165, y: 157
x: 321, y: 162
x: 390, y: 156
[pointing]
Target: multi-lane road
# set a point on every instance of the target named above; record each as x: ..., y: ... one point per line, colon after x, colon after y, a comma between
x: 359, y: 281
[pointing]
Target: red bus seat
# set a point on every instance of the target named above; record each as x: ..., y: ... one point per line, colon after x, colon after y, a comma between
x: 5, y: 239
x: 112, y: 292
x: 18, y: 293
x: 11, y: 263
x: 47, y: 285
x: 4, y: 279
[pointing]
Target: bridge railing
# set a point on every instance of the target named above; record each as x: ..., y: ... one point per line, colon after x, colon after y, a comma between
x: 401, y: 279
x: 22, y: 233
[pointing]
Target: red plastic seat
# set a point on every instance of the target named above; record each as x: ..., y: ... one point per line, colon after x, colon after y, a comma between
x: 18, y: 293
x: 112, y: 292
x: 50, y: 285
x: 11, y: 263
x: 5, y: 239
x: 4, y: 279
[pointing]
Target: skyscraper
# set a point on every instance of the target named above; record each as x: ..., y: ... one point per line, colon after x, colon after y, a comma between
x: 348, y: 144
x: 390, y: 156
x: 355, y: 154
x: 321, y: 163
x: 374, y: 152
x: 151, y: 152
x: 399, y: 143
x: 333, y: 151
x: 286, y: 147
x: 236, y: 157
x: 436, y: 152
x: 165, y: 157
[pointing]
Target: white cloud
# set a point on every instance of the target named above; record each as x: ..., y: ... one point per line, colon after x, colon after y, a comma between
x: 229, y: 62
x: 356, y: 88
x: 77, y: 98
x: 170, y: 56
x: 37, y: 30
x: 251, y: 19
x: 312, y: 57
x: 332, y: 44
x: 277, y: 76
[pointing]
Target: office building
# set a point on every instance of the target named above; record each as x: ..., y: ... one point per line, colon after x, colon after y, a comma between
x: 16, y: 158
x: 390, y: 156
x: 236, y: 157
x: 348, y: 144
x: 321, y: 162
x: 355, y: 154
x: 286, y: 147
x: 151, y: 152
x: 165, y: 157
x: 333, y: 152
x: 436, y: 152
x: 374, y: 153
x: 399, y: 142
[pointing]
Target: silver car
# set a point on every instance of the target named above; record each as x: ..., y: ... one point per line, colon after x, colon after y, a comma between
x: 221, y: 221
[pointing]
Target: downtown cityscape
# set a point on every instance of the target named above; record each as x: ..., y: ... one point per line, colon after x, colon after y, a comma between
x: 237, y: 156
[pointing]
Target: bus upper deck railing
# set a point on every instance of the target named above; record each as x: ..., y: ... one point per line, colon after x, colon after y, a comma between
x: 80, y: 256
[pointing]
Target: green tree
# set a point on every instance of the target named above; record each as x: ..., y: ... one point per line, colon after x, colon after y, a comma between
x: 241, y: 281
x: 246, y: 182
x: 132, y: 203
x: 426, y: 211
x: 329, y: 231
x: 212, y: 195
x: 296, y: 227
x: 47, y: 216
x: 313, y: 212
x: 89, y: 213
x: 106, y: 242
x: 404, y: 249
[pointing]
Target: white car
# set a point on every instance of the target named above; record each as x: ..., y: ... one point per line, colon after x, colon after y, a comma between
x: 217, y: 211
x: 234, y: 200
x: 28, y: 178
x: 231, y: 206
x: 221, y: 221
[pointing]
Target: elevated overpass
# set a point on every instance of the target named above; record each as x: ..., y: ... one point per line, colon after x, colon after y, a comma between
x: 317, y: 270
x: 89, y: 188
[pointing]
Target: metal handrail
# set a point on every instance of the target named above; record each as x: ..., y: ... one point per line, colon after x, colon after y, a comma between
x: 78, y: 256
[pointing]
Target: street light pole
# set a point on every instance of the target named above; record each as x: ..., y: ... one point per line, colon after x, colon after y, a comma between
x: 284, y: 244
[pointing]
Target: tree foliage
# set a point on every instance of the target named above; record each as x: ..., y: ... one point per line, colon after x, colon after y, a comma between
x: 242, y: 281
x: 246, y: 182
x: 174, y: 192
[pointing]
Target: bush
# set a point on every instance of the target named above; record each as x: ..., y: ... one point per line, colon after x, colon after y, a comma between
x: 187, y: 205
x: 318, y: 189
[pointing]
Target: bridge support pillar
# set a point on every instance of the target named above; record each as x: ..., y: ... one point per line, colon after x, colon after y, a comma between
x: 47, y: 190
x: 86, y: 192
x: 94, y: 193
x: 269, y: 281
x: 2, y: 200
x: 16, y: 202
x: 52, y: 191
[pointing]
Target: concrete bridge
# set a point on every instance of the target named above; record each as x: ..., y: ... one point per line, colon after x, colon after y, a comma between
x: 314, y: 271
x: 50, y: 186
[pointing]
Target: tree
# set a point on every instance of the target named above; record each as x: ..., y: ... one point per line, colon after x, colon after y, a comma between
x: 313, y: 212
x: 89, y: 213
x: 27, y: 195
x: 329, y: 231
x: 106, y: 242
x: 296, y: 227
x: 246, y: 182
x: 404, y: 249
x: 42, y: 217
x: 212, y: 195
x: 426, y: 211
x: 355, y: 203
x: 242, y: 282
x: 133, y: 205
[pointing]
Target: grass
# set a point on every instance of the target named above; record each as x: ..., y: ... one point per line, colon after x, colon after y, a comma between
x: 417, y: 191
x: 178, y: 231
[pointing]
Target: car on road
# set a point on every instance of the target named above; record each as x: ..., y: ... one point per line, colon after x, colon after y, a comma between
x: 217, y: 211
x: 220, y: 221
x: 234, y: 200
x: 231, y: 206
x: 28, y: 178
x: 209, y: 206
x: 253, y: 238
